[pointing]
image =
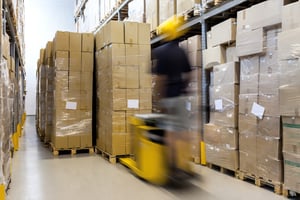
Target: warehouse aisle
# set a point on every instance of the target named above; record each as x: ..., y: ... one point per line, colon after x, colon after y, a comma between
x: 37, y: 175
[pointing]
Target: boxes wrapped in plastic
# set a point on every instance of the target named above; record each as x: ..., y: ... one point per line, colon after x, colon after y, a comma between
x: 270, y: 126
x: 291, y: 134
x: 289, y: 96
x: 248, y: 162
x: 227, y: 73
x: 292, y: 171
x: 270, y: 102
x: 247, y: 124
x: 269, y: 168
x: 246, y: 101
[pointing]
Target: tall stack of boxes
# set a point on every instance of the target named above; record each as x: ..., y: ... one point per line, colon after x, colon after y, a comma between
x: 123, y: 82
x: 288, y: 47
x: 73, y: 85
x: 42, y: 94
x: 221, y: 134
x: 259, y: 119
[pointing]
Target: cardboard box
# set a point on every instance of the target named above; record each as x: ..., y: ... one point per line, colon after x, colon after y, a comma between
x: 269, y: 84
x: 87, y: 62
x: 269, y: 147
x: 247, y: 143
x: 270, y: 168
x: 86, y: 140
x: 99, y: 40
x: 291, y: 134
x: 74, y: 81
x: 270, y: 103
x: 246, y: 102
x: 248, y: 162
x: 119, y: 99
x: 131, y: 32
x: 143, y: 33
x: 195, y: 58
x: 87, y: 42
x: 291, y: 72
x: 118, y: 145
x: 119, y: 77
x: 60, y: 142
x: 289, y: 100
x: 268, y: 64
x: 209, y: 39
x: 227, y: 118
x: 250, y: 42
x: 184, y: 5
x: 231, y: 55
x: 75, y: 61
x: 152, y: 13
x: 132, y: 99
x: 166, y: 10
x: 194, y: 43
x: 62, y: 60
x: 113, y: 33
x: 116, y: 54
x: 290, y: 16
x: 228, y: 73
x: 6, y: 46
x: 223, y: 157
x: 61, y: 41
x: 118, y: 122
x: 270, y: 126
x: 132, y: 52
x: 249, y: 84
x: 75, y: 41
x: 214, y: 56
x: 288, y: 41
x: 145, y: 97
x: 292, y: 171
x: 48, y: 52
x: 145, y: 79
x: 86, y: 100
x: 224, y: 32
x: 74, y: 141
x: 227, y: 93
x: 249, y: 65
x: 132, y: 77
x: 86, y: 80
x: 184, y: 45
x: 144, y: 56
x: 42, y: 56
x: 247, y: 124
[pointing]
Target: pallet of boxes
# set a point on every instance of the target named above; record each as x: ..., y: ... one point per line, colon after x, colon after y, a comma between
x: 289, y: 91
x: 221, y: 133
x: 123, y: 84
x: 72, y: 92
x: 260, y: 136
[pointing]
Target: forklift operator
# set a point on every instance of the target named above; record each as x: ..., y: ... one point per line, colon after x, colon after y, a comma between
x: 172, y: 70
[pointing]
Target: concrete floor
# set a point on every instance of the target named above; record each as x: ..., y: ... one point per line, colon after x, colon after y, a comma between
x: 37, y: 175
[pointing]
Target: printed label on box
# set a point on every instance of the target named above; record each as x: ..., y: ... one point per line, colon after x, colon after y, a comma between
x: 133, y: 103
x: 219, y: 104
x: 188, y: 106
x: 71, y: 105
x: 257, y: 110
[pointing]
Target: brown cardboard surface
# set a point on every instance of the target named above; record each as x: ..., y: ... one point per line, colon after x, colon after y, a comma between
x: 119, y: 77
x: 249, y: 84
x: 270, y: 168
x: 86, y: 140
x: 269, y: 147
x: 228, y: 73
x: 214, y: 56
x: 75, y: 41
x: 291, y: 134
x: 290, y: 16
x: 145, y: 79
x: 61, y: 41
x: 114, y: 33
x: 48, y: 52
x: 6, y: 46
x: 270, y: 103
x: 247, y: 124
x: 231, y: 55
x: 288, y: 41
x: 74, y: 141
x: 132, y: 54
x: 228, y: 93
x: 87, y: 42
x: 184, y: 45
x: 86, y: 99
x: 99, y: 40
x: 270, y: 126
x: 194, y: 43
x: 143, y: 33
x: 133, y: 99
x: 289, y: 100
x: 116, y: 54
x: 144, y: 55
x: 87, y: 62
x: 209, y: 39
x: 131, y: 32
x: 74, y: 81
x: 292, y: 171
x: 248, y: 162
x: 60, y: 142
x: 86, y: 81
x: 224, y: 32
x: 145, y: 97
x: 269, y: 84
x: 195, y: 58
x: 75, y: 61
x: 227, y: 118
x: 250, y: 42
x: 118, y: 99
x: 62, y: 60
x: 118, y: 122
x: 132, y: 77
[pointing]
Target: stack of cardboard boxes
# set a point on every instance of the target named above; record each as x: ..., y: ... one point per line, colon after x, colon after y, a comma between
x: 288, y: 46
x: 123, y: 82
x: 259, y: 118
x: 221, y: 135
x: 73, y: 85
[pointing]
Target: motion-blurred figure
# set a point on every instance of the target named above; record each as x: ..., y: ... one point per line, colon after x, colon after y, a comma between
x: 173, y: 71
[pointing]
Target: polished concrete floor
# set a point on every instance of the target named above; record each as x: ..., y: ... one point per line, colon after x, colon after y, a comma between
x: 37, y: 175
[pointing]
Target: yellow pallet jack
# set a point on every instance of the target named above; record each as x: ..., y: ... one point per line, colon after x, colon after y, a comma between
x: 150, y: 160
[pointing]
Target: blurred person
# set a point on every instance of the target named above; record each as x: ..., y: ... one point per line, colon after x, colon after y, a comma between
x: 173, y: 75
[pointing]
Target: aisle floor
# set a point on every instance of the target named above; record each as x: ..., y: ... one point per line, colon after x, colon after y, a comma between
x: 38, y: 175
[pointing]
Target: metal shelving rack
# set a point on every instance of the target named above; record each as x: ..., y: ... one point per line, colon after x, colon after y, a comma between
x: 201, y: 24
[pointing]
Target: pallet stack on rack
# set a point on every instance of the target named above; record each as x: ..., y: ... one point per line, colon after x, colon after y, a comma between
x: 259, y: 120
x: 288, y: 46
x: 123, y: 83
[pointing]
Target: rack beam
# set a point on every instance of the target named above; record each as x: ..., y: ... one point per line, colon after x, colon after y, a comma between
x: 79, y: 8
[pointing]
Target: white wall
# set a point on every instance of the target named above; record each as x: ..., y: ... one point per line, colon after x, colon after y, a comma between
x: 42, y: 19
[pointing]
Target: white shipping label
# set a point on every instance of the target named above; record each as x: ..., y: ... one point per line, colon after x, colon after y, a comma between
x: 188, y: 106
x: 133, y: 103
x: 258, y: 110
x: 71, y: 105
x: 219, y: 104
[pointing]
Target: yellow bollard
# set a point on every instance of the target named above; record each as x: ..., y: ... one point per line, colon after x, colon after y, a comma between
x: 19, y: 130
x: 2, y: 192
x: 15, y: 140
x: 203, y: 154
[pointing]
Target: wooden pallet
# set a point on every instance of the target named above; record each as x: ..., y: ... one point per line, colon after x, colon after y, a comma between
x: 260, y: 181
x: 223, y: 170
x: 71, y: 151
x: 286, y: 192
x: 113, y: 159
